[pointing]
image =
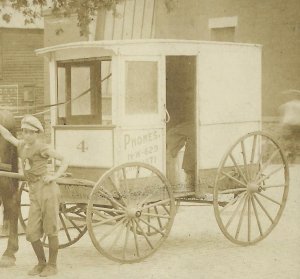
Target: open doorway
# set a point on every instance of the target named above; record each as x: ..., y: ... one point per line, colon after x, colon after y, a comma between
x: 181, y: 128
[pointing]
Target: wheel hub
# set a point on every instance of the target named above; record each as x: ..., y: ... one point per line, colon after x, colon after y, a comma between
x: 253, y: 187
x: 133, y: 212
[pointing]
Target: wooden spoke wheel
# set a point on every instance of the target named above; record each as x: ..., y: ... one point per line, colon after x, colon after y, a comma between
x: 253, y: 178
x: 72, y: 219
x: 130, y: 212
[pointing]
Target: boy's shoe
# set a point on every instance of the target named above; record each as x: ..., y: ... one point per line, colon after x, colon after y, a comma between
x: 36, y: 270
x: 49, y: 270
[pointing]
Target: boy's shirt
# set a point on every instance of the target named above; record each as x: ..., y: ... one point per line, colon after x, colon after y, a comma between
x: 34, y: 159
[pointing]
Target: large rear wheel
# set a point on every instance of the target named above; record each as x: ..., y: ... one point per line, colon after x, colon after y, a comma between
x: 254, y: 177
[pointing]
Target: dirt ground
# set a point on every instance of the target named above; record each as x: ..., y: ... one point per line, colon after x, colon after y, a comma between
x: 195, y: 248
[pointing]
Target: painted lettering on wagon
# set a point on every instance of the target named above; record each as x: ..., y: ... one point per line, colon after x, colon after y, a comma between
x: 132, y: 141
x: 142, y: 147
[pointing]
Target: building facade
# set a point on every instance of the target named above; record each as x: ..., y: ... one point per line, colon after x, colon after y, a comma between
x: 21, y: 71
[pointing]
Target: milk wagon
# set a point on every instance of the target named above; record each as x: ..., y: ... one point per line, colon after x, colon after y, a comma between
x: 114, y: 107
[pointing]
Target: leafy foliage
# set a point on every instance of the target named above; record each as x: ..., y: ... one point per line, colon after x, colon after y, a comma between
x: 32, y: 9
x: 84, y: 9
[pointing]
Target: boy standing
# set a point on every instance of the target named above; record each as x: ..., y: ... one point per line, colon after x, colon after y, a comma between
x: 43, y: 192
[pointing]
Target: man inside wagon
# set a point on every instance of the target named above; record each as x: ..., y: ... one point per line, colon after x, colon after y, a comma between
x: 182, y: 135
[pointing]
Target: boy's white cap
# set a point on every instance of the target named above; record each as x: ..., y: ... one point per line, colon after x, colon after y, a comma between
x: 31, y: 123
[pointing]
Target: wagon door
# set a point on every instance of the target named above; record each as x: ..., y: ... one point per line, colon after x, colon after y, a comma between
x: 228, y: 102
x: 142, y: 110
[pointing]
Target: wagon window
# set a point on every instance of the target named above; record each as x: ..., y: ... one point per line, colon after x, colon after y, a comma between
x: 86, y: 100
x: 141, y: 87
x: 80, y: 82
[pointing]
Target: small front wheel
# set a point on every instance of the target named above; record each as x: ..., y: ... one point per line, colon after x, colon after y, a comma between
x: 130, y: 212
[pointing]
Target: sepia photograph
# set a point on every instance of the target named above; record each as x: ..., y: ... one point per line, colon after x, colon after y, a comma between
x: 153, y: 139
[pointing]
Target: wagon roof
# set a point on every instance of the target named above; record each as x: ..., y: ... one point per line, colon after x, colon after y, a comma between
x: 138, y: 47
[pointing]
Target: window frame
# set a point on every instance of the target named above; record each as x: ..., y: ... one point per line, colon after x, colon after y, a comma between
x: 95, y: 93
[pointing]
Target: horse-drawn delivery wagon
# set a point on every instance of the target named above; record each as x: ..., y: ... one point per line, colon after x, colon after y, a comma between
x: 129, y: 113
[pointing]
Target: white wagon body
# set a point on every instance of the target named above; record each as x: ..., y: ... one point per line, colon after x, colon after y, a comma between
x: 225, y: 80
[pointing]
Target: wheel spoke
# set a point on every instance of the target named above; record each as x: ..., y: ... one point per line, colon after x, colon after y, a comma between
x: 109, y: 197
x: 263, y: 208
x: 266, y: 164
x: 148, y: 197
x: 110, y: 219
x: 238, y: 168
x: 75, y: 218
x: 245, y: 160
x: 241, y: 196
x: 268, y: 198
x: 125, y: 183
x: 156, y: 203
x: 143, y: 233
x: 273, y: 186
x: 148, y: 218
x: 241, y: 219
x: 108, y: 209
x: 101, y: 215
x: 65, y: 227
x: 166, y: 209
x: 234, y: 179
x: 80, y: 215
x: 156, y: 215
x: 260, y: 157
x: 117, y: 238
x: 256, y: 215
x: 111, y: 230
x: 262, y: 179
x: 235, y: 212
x: 253, y: 149
x: 249, y: 219
x: 150, y: 226
x: 68, y: 210
x: 231, y: 191
x: 135, y: 238
x: 75, y: 226
x: 126, y: 239
x: 117, y: 190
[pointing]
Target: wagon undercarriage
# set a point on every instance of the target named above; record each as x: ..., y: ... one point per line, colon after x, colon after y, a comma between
x: 130, y: 210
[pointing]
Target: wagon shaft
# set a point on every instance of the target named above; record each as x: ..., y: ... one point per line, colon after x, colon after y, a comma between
x: 5, y: 167
x: 12, y: 175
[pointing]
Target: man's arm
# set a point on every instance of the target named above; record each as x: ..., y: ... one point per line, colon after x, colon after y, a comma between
x: 8, y: 136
